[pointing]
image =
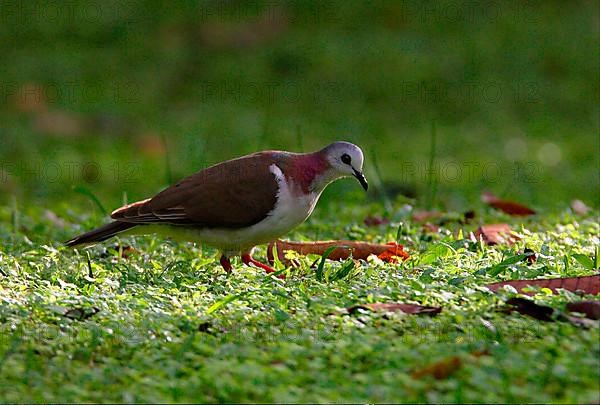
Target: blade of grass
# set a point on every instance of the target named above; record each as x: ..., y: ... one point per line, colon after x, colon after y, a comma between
x: 399, y: 231
x: 89, y: 264
x: 220, y: 304
x: 431, y: 175
x: 319, y: 272
x: 344, y: 271
x: 14, y: 215
x: 276, y: 262
x: 379, y: 182
x: 88, y: 193
x: 585, y: 261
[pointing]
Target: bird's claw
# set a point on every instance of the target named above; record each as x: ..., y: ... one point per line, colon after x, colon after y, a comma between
x: 248, y: 260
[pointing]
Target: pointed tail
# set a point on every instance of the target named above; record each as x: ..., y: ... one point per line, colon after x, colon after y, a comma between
x: 100, y: 234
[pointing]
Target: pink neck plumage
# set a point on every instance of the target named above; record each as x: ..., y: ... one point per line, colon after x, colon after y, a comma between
x: 309, y: 171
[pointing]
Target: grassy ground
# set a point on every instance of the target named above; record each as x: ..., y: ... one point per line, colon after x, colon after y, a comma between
x: 172, y: 326
x: 103, y: 103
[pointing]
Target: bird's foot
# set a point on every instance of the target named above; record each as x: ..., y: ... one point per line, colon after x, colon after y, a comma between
x: 248, y: 260
x: 226, y: 263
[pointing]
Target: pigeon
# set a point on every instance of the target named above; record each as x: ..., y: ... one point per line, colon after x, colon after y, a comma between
x: 237, y: 204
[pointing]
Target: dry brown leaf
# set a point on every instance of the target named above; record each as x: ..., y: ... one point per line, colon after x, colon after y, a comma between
x: 528, y: 307
x: 430, y: 228
x: 412, y: 309
x: 151, y: 144
x: 544, y: 313
x: 122, y: 251
x: 480, y: 353
x: 493, y: 234
x: 591, y: 309
x: 394, y: 254
x: 422, y: 216
x: 509, y: 207
x: 272, y: 23
x: 586, y: 284
x: 373, y: 220
x: 439, y: 370
x: 81, y: 314
x: 446, y: 367
x: 60, y: 123
x: 30, y: 98
x: 346, y: 248
x: 530, y: 256
x: 125, y: 251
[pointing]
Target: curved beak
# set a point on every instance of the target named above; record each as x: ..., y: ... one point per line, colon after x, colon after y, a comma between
x: 361, y: 179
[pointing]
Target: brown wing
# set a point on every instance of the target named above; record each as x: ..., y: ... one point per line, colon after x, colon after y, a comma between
x: 233, y: 194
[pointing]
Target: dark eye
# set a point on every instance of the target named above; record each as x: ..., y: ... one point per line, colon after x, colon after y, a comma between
x: 346, y: 159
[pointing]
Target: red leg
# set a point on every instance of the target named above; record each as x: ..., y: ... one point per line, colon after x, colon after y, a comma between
x: 248, y: 260
x: 226, y: 263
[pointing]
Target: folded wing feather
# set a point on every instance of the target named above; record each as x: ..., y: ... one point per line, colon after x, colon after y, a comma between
x: 233, y: 194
